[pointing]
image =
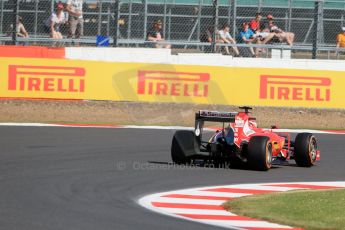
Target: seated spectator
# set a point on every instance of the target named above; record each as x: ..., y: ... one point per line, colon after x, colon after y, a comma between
x: 283, y: 36
x: 54, y: 22
x: 207, y: 35
x: 268, y: 18
x: 225, y: 37
x: 341, y: 39
x: 265, y: 28
x: 20, y: 29
x: 156, y: 37
x: 246, y: 35
x: 263, y: 35
x: 255, y: 24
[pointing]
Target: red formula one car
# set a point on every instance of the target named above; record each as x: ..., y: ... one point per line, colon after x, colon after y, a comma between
x: 241, y: 142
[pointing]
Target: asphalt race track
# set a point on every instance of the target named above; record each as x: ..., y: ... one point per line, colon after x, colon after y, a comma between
x: 91, y: 178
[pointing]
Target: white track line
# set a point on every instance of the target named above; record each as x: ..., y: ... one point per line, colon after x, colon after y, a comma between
x: 189, y: 201
x: 204, y: 205
x: 197, y: 211
x: 151, y: 127
x: 244, y: 224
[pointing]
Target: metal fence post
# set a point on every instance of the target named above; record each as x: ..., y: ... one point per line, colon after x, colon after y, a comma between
x: 145, y: 18
x: 199, y: 20
x: 14, y: 21
x: 108, y: 20
x: 290, y: 15
x: 2, y: 16
x: 36, y: 17
x: 316, y: 32
x: 215, y: 24
x: 169, y: 23
x: 229, y: 13
x: 116, y: 22
x: 286, y: 22
x: 129, y: 24
x: 51, y: 6
x: 259, y: 5
x: 165, y: 18
x: 321, y: 20
x: 99, y: 26
x: 234, y: 15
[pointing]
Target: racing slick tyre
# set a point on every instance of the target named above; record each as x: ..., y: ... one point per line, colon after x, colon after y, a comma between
x: 305, y: 149
x: 260, y: 153
x: 183, y: 146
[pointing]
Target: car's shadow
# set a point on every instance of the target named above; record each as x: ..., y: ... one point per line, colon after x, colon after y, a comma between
x: 225, y: 166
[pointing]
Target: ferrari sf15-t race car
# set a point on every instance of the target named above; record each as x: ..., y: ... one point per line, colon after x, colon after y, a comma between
x: 241, y: 142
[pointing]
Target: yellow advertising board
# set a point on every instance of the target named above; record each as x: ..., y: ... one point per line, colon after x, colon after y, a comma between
x: 89, y: 80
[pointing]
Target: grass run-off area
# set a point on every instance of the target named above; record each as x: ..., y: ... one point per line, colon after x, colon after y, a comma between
x: 305, y: 209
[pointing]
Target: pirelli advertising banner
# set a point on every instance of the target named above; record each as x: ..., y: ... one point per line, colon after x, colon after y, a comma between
x: 69, y: 79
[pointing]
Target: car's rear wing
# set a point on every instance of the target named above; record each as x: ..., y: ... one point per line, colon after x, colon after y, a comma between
x: 213, y: 116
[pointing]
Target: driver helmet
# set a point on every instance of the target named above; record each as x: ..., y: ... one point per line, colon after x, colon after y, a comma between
x: 253, y: 124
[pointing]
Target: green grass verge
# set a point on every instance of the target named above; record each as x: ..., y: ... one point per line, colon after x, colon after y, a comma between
x: 311, y: 210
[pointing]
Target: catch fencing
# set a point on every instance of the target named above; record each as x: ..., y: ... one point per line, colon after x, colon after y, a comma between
x: 315, y: 23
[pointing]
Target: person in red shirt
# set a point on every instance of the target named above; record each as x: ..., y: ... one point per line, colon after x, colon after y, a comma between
x: 255, y: 23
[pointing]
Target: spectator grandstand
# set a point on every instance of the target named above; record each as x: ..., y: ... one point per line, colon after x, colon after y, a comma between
x: 184, y: 21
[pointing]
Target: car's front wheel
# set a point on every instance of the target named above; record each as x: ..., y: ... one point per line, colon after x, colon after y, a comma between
x: 260, y: 153
x: 305, y: 150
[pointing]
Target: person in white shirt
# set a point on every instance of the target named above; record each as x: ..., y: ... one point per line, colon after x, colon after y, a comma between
x: 225, y: 37
x: 76, y: 22
x: 54, y: 22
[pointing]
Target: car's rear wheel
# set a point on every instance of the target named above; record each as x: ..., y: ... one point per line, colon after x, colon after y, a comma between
x: 305, y: 149
x: 183, y: 146
x: 260, y: 153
